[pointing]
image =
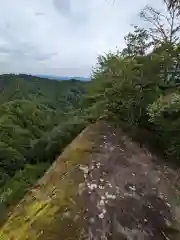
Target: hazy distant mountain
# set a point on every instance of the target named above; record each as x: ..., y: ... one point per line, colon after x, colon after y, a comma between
x: 63, y: 77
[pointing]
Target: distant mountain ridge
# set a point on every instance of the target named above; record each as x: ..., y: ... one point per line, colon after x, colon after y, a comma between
x: 63, y: 77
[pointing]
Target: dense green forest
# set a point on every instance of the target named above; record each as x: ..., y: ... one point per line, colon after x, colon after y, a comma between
x: 137, y: 88
x: 37, y: 120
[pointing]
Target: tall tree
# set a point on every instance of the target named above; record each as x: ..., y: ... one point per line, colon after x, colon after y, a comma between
x: 163, y: 27
x: 172, y: 3
x: 137, y: 42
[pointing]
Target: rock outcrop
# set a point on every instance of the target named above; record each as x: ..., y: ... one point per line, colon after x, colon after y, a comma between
x: 103, y: 186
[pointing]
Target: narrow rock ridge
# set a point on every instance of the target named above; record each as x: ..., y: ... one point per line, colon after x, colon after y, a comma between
x: 125, y: 192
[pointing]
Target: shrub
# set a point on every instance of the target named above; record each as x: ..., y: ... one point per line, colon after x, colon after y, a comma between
x: 164, y: 114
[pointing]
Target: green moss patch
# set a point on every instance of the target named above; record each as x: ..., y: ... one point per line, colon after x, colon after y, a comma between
x: 52, y: 209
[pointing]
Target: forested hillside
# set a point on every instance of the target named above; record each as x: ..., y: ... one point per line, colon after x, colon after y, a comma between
x: 37, y: 120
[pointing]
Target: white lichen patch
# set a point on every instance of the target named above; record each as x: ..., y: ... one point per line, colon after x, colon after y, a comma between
x: 101, y: 215
x: 98, y: 165
x: 92, y: 220
x: 101, y: 203
x: 66, y: 214
x: 168, y: 204
x: 109, y: 185
x: 161, y: 196
x: 84, y: 169
x: 92, y: 186
x: 104, y: 211
x: 111, y: 148
x: 81, y: 188
x: 110, y: 196
x: 132, y: 188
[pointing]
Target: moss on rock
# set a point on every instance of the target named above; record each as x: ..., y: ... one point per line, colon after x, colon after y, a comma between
x: 52, y: 209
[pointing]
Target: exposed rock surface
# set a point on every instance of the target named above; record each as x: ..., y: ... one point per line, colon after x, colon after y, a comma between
x: 103, y: 186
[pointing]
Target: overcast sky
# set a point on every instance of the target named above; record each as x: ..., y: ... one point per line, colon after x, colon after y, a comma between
x: 62, y: 37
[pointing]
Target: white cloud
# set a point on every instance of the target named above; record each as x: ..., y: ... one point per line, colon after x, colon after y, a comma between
x: 62, y: 37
